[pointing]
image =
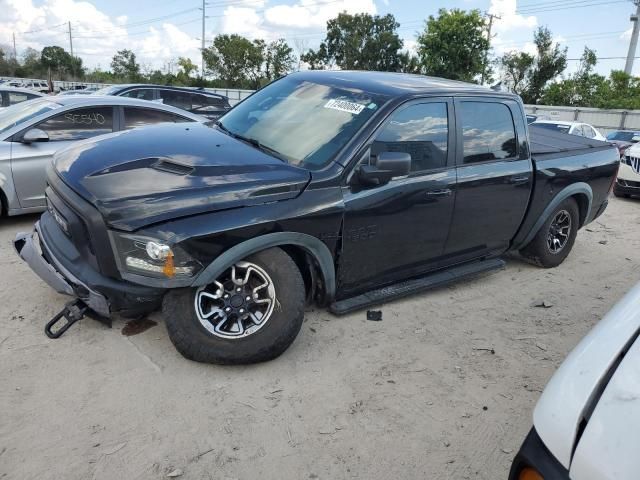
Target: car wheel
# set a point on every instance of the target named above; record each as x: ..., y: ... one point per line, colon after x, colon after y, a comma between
x: 250, y: 314
x: 555, y: 239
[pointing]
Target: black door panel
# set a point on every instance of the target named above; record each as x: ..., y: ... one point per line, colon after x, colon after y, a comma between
x: 399, y: 230
x: 490, y: 205
x: 495, y: 178
x: 395, y: 231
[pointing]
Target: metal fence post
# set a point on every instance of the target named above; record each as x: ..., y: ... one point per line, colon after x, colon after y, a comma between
x: 623, y: 119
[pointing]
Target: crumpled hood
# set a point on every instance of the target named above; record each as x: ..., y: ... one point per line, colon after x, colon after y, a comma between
x: 148, y: 175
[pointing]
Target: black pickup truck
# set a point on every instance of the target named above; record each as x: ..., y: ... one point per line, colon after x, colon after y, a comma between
x: 347, y: 189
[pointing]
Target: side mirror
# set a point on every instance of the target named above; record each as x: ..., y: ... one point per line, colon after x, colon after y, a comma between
x: 35, y: 135
x: 388, y: 165
x: 635, y: 139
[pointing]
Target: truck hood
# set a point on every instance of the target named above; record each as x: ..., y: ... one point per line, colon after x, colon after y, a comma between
x: 598, y: 385
x: 148, y: 175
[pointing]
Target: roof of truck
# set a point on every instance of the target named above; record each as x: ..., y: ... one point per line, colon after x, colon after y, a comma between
x: 395, y: 84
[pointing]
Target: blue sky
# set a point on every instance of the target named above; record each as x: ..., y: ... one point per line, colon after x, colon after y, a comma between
x: 160, y: 31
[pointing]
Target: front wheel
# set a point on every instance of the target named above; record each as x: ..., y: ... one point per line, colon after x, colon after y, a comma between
x: 555, y: 239
x: 250, y: 314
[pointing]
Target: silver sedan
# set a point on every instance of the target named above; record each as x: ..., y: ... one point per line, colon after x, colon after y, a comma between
x: 32, y: 132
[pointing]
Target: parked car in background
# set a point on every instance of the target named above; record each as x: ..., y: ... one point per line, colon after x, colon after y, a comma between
x: 37, y: 85
x: 628, y: 181
x: 12, y: 95
x: 198, y: 101
x: 572, y: 128
x: 77, y: 92
x: 345, y: 188
x: 32, y: 132
x: 623, y: 139
x: 585, y: 425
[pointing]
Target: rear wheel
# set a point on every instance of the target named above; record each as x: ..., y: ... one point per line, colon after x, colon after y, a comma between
x: 251, y: 313
x: 555, y: 239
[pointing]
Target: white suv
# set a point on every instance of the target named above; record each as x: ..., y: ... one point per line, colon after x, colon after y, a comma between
x: 37, y: 85
x: 628, y: 182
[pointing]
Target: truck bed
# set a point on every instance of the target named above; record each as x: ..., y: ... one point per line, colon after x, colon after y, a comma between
x: 548, y: 144
x: 560, y: 161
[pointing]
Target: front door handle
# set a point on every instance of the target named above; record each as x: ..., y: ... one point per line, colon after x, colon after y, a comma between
x: 519, y: 179
x: 445, y: 192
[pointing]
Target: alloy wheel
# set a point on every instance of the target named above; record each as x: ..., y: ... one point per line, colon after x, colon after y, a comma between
x: 559, y: 232
x: 238, y: 303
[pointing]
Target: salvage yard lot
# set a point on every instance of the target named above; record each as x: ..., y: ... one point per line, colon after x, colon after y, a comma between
x: 418, y: 395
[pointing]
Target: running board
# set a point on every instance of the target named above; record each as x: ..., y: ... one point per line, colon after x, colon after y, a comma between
x: 409, y: 287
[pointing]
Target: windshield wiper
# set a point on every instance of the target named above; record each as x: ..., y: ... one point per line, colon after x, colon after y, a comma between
x: 255, y: 142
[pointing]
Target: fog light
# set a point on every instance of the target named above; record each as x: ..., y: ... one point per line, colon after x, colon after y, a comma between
x: 530, y: 474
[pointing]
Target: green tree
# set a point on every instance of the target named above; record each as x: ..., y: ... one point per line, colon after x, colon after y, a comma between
x: 125, y: 66
x: 61, y: 62
x: 187, y: 66
x: 359, y: 42
x: 582, y: 89
x: 279, y: 59
x: 236, y: 60
x: 516, y: 67
x: 454, y: 45
x: 551, y: 61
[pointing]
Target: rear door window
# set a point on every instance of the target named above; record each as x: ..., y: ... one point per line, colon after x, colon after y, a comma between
x: 79, y: 124
x: 17, y: 97
x: 139, y: 93
x: 206, y: 104
x: 181, y: 100
x: 139, y: 117
x: 488, y: 132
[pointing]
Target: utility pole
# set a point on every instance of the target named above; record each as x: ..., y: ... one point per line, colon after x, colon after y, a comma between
x: 15, y: 52
x: 486, y: 54
x: 203, y: 17
x: 71, y: 48
x: 70, y: 40
x: 634, y: 39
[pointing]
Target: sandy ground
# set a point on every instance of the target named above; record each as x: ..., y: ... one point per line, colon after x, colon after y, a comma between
x: 412, y: 397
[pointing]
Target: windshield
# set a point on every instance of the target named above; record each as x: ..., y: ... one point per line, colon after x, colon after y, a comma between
x: 558, y: 127
x: 302, y: 122
x: 110, y: 90
x: 622, y: 136
x: 21, y: 112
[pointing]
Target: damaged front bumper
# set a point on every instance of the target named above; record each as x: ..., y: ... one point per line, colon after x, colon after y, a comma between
x: 32, y: 250
x: 52, y: 257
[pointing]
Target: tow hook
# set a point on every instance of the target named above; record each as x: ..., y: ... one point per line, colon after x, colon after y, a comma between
x: 71, y: 313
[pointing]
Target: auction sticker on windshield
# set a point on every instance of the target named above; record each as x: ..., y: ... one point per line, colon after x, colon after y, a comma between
x: 345, y: 106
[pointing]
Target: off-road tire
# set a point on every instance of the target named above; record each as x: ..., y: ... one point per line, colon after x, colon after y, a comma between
x: 538, y: 252
x: 194, y: 342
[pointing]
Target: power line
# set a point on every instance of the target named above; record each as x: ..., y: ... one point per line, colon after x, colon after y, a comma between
x: 565, y: 6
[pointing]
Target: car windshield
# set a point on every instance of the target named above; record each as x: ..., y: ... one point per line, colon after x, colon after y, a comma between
x: 302, y: 122
x: 622, y: 136
x: 558, y: 127
x: 21, y: 112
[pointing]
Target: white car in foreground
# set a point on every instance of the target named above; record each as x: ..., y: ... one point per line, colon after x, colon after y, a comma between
x: 628, y: 181
x: 572, y: 128
x: 586, y: 425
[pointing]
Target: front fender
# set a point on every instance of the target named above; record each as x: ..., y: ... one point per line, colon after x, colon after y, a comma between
x: 310, y: 244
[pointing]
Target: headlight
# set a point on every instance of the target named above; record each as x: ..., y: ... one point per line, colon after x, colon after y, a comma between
x: 151, y: 257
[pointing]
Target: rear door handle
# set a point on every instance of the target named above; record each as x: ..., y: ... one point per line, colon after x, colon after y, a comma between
x: 445, y: 192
